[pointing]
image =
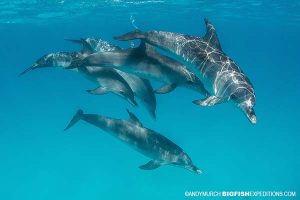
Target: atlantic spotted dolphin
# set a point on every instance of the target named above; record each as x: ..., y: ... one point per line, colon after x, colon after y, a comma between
x: 205, y: 56
x: 108, y: 79
x: 141, y: 87
x: 145, y: 62
x: 160, y: 149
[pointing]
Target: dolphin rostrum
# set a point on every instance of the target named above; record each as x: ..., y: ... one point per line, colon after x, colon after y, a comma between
x: 160, y: 149
x: 206, y: 57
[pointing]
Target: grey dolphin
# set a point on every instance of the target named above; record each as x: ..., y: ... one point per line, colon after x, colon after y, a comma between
x: 141, y: 87
x: 147, y: 63
x: 108, y: 79
x: 160, y: 149
x: 205, y: 56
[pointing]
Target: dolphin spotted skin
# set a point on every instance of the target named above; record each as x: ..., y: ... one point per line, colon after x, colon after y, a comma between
x: 160, y: 149
x: 108, y: 79
x: 205, y: 56
x: 141, y: 87
x: 147, y: 63
x: 92, y: 45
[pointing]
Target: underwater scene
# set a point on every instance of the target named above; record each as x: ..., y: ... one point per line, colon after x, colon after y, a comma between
x: 201, y: 98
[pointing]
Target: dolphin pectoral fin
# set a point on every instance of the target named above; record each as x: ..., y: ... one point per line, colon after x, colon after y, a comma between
x: 133, y: 118
x: 99, y: 91
x: 152, y: 164
x: 166, y: 88
x: 209, y: 101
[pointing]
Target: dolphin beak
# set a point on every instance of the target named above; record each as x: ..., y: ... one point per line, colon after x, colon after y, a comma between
x: 194, y: 169
x: 252, y: 119
x: 249, y: 112
x: 34, y: 66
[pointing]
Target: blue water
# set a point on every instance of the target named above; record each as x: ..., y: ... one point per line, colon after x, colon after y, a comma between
x: 40, y: 161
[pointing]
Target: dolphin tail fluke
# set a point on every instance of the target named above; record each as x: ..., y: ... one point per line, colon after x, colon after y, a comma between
x: 136, y: 34
x: 209, y: 101
x: 75, y: 119
x: 153, y: 164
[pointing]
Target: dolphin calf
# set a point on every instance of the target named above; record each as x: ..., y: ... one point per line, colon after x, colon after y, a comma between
x: 141, y: 87
x: 109, y: 80
x: 205, y: 56
x: 160, y: 149
x: 145, y: 62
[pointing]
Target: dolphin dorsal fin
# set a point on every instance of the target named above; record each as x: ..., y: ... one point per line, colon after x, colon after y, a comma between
x: 133, y: 118
x: 211, y: 35
x: 86, y: 47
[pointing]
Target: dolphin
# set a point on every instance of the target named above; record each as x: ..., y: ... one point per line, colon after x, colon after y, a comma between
x: 108, y: 79
x: 160, y: 149
x: 205, y: 56
x: 145, y: 62
x: 141, y: 87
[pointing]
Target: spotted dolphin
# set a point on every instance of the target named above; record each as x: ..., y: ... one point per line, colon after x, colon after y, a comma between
x: 157, y: 147
x: 144, y: 61
x: 205, y: 56
x: 141, y: 87
x: 108, y: 79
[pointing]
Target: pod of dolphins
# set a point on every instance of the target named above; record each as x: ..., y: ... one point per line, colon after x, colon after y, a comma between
x: 201, y: 66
